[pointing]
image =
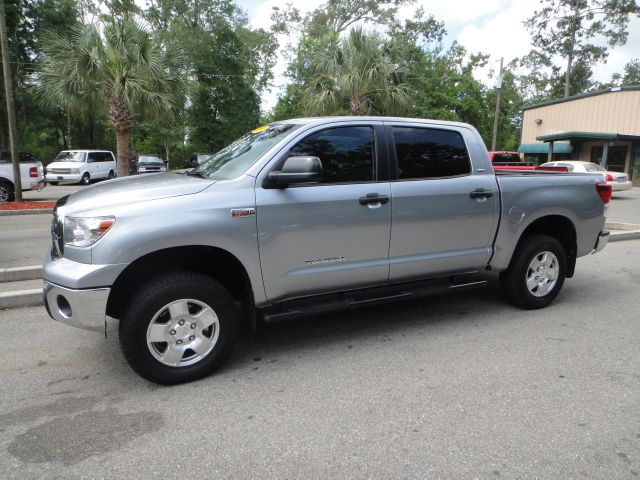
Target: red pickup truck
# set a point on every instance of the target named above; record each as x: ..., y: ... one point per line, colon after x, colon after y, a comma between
x: 505, y: 160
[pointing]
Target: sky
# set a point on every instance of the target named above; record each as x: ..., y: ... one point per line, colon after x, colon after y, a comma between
x: 488, y: 26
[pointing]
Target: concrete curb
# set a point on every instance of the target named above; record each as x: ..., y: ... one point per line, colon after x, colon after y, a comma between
x: 623, y: 231
x: 622, y: 226
x: 618, y: 236
x: 17, y: 274
x: 34, y: 211
x: 21, y: 298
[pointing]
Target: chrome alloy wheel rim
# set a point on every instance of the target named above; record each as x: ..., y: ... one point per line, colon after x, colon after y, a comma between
x: 4, y: 194
x: 542, y: 274
x: 183, y: 332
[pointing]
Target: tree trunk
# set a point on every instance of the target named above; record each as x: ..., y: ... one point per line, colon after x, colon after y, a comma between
x: 356, y: 105
x: 11, y: 114
x: 567, y: 77
x: 69, y: 145
x: 122, y: 121
x: 122, y: 152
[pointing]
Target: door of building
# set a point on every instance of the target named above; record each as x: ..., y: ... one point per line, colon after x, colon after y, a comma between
x: 616, y: 159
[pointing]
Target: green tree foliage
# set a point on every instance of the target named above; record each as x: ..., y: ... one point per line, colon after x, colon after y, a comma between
x: 230, y: 65
x: 41, y: 130
x: 539, y: 79
x: 574, y: 30
x: 123, y: 66
x: 629, y: 76
x: 356, y: 75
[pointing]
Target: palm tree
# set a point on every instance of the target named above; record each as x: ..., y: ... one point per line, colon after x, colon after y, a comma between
x: 123, y: 67
x: 355, y: 74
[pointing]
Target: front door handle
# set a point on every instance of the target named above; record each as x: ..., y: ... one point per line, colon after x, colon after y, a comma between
x: 372, y: 198
x: 481, y: 193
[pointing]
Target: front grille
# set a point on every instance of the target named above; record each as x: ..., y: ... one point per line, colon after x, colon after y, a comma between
x: 60, y: 171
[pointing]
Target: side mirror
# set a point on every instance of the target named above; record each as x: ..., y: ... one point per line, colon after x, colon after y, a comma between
x: 297, y: 170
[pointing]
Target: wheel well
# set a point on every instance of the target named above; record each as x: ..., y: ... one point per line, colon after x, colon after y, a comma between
x: 218, y: 263
x: 560, y: 228
x: 2, y: 179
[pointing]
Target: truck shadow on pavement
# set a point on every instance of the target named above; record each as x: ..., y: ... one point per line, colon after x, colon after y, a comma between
x: 366, y: 326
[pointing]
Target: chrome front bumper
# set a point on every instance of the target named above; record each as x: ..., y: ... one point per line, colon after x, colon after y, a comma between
x: 603, y: 239
x: 84, y: 308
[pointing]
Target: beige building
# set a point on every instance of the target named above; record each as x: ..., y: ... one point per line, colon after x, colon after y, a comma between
x: 601, y: 127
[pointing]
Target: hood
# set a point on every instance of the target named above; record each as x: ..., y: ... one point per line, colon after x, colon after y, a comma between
x: 135, y: 189
x: 65, y: 165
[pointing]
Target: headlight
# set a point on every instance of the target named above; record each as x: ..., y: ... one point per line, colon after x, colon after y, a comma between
x: 85, y: 231
x: 75, y: 171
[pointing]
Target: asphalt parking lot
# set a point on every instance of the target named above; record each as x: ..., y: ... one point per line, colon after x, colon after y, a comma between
x: 456, y: 386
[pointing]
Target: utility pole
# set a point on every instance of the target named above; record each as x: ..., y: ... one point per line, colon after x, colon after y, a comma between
x: 11, y: 113
x: 499, y: 94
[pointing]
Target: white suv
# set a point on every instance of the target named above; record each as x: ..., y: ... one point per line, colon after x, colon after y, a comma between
x: 81, y: 166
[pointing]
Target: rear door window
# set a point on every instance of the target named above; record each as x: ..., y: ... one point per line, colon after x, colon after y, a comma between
x: 430, y: 153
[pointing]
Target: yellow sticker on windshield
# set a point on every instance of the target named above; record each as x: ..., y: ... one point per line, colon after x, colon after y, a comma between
x: 260, y: 129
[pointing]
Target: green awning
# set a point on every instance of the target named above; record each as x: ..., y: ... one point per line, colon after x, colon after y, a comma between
x: 577, y: 135
x: 558, y: 147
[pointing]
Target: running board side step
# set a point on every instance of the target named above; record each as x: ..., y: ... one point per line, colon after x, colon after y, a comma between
x: 348, y: 300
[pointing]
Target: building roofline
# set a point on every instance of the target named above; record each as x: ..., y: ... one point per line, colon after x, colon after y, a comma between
x: 628, y: 88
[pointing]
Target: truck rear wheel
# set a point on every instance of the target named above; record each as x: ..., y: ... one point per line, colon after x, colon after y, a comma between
x: 536, y: 273
x: 178, y: 328
x: 7, y: 194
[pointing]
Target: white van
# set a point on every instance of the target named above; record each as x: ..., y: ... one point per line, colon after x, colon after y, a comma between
x: 81, y: 166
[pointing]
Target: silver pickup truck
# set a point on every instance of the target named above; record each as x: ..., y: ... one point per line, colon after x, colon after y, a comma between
x: 308, y: 216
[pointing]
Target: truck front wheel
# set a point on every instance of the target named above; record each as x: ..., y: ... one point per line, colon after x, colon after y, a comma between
x: 178, y: 327
x: 536, y: 273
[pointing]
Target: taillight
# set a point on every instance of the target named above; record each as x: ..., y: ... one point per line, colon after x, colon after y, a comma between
x: 605, y: 191
x: 33, y: 172
x: 608, y: 177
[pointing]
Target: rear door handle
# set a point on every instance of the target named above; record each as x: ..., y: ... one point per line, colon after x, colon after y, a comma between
x: 481, y: 193
x: 373, y: 198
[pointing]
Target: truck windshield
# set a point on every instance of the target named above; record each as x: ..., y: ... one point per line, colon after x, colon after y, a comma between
x: 234, y: 160
x: 70, y: 157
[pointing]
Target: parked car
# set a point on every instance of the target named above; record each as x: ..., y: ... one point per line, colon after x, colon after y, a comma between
x: 618, y: 181
x: 31, y: 175
x: 81, y: 166
x: 308, y: 216
x: 150, y: 164
x: 196, y: 160
x: 507, y: 159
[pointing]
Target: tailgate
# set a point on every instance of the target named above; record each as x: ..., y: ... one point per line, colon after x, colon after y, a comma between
x: 31, y: 175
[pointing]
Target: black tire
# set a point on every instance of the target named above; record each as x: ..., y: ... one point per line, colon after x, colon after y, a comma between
x: 53, y: 183
x: 514, y: 279
x: 7, y: 193
x: 111, y: 176
x: 86, y: 179
x: 150, y: 299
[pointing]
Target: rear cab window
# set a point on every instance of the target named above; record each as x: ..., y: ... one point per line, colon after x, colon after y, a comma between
x: 430, y: 153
